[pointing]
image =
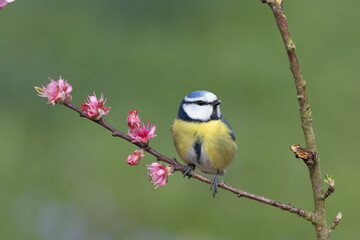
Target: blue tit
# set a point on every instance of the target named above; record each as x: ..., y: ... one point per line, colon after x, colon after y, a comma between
x: 202, y: 136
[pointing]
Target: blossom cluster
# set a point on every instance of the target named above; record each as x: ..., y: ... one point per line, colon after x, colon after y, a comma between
x: 95, y: 109
x: 139, y: 132
x: 158, y: 173
x: 143, y: 132
x: 58, y: 92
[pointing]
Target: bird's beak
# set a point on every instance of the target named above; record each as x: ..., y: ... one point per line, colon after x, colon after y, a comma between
x: 216, y: 103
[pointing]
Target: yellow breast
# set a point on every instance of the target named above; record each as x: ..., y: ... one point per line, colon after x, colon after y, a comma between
x: 217, y: 147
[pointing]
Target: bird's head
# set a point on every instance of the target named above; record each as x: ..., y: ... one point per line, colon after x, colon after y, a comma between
x: 200, y: 106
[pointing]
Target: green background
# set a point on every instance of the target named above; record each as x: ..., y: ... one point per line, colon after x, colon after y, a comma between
x: 63, y: 177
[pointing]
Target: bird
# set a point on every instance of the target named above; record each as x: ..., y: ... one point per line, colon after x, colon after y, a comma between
x: 202, y: 136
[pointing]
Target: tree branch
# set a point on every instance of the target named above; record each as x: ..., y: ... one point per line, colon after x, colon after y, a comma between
x: 308, y: 215
x: 322, y: 232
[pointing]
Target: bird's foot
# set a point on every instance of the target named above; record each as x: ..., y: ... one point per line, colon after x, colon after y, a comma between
x: 188, y: 169
x: 214, y: 183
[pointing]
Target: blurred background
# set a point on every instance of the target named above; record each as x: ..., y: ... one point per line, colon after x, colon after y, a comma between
x: 63, y: 177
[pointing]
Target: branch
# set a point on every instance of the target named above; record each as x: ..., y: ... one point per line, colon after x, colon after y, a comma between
x: 322, y: 232
x: 305, y: 111
x: 308, y: 215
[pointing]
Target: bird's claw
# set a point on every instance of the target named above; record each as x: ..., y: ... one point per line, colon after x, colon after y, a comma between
x: 188, y: 169
x: 214, y: 183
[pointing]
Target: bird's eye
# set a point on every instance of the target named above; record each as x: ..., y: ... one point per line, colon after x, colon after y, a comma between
x: 201, y: 103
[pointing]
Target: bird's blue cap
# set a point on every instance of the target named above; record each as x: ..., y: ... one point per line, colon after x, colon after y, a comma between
x: 197, y: 94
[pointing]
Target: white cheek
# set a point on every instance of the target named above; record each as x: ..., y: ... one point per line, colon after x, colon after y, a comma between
x: 197, y: 112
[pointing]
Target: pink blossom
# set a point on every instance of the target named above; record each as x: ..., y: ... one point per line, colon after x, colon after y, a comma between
x: 3, y: 3
x: 134, y: 158
x: 94, y: 108
x: 137, y: 131
x: 133, y: 120
x: 56, y: 91
x: 143, y: 133
x: 158, y: 173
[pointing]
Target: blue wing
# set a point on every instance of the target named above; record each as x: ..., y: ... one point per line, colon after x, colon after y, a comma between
x: 229, y: 127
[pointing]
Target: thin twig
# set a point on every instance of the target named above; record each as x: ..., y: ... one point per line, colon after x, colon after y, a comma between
x: 308, y: 215
x: 336, y: 222
x: 328, y: 192
x: 330, y: 181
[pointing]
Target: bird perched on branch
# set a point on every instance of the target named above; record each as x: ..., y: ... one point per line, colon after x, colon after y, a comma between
x: 202, y: 136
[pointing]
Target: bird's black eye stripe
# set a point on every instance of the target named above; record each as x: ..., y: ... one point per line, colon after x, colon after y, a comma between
x: 201, y: 103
